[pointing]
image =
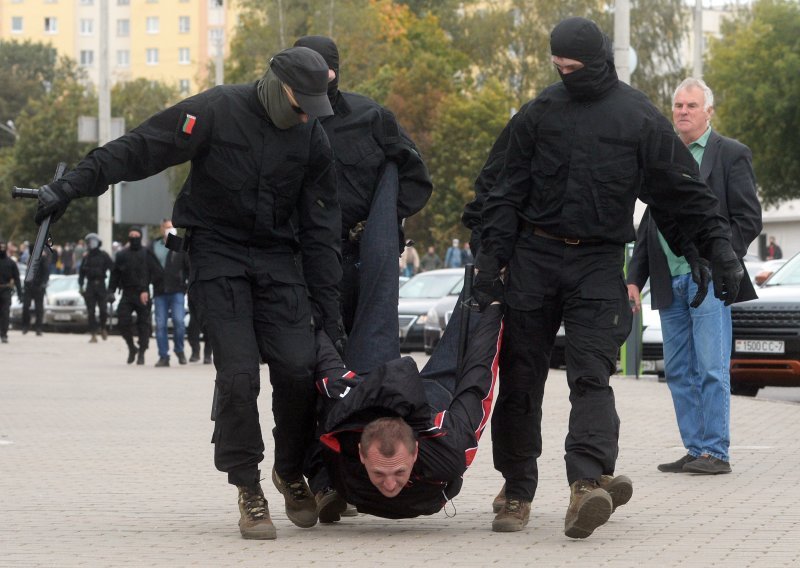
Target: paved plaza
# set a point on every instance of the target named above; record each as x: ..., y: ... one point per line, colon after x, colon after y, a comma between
x: 108, y: 464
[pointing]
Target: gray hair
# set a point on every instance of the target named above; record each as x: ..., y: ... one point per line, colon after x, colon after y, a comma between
x: 708, y: 96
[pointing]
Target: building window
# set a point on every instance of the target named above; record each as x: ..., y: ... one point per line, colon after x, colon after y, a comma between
x: 152, y: 25
x: 87, y: 57
x: 183, y: 56
x: 16, y: 24
x: 152, y: 56
x: 87, y: 2
x: 123, y: 58
x: 183, y: 25
x: 215, y: 3
x: 51, y: 25
x: 183, y: 85
x: 123, y: 2
x: 123, y: 28
x: 87, y: 26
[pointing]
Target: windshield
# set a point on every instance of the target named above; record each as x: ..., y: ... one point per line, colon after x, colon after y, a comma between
x: 432, y: 285
x: 787, y: 274
x: 61, y: 285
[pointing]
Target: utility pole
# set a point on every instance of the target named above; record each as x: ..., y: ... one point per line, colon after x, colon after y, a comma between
x: 622, y: 39
x: 697, y: 70
x: 219, y: 70
x: 104, y: 201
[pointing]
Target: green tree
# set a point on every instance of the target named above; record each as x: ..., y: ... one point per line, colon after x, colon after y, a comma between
x: 461, y: 139
x: 754, y: 71
x: 27, y: 70
x: 511, y: 41
x: 139, y: 99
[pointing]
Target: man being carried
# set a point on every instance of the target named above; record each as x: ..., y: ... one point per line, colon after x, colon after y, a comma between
x: 396, y: 442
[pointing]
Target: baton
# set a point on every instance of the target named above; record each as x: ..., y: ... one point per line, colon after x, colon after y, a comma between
x: 43, y: 236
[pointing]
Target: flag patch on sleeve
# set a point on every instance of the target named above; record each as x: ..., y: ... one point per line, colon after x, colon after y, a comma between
x: 188, y: 124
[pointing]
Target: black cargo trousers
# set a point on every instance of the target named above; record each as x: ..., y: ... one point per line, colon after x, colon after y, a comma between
x: 261, y: 315
x: 129, y: 303
x: 96, y: 295
x: 582, y: 283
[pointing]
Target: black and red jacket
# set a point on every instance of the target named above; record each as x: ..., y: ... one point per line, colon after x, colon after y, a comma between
x: 448, y: 439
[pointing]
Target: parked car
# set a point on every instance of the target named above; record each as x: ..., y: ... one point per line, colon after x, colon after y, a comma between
x: 436, y: 320
x: 767, y: 269
x: 418, y: 296
x: 64, y: 307
x: 766, y: 334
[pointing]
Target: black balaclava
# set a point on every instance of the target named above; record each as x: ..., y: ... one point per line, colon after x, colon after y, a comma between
x: 135, y: 242
x: 276, y: 102
x: 580, y: 39
x: 326, y: 47
x: 2, y: 249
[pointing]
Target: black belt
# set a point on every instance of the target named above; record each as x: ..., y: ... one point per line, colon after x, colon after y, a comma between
x: 539, y: 232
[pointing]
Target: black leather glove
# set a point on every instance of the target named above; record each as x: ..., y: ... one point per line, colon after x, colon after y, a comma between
x: 335, y: 330
x: 53, y: 200
x: 701, y: 274
x: 726, y: 270
x: 487, y: 288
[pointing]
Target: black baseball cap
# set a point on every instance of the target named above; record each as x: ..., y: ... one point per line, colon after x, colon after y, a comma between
x: 306, y: 72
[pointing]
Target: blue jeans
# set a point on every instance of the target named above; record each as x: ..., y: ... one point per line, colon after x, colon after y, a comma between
x: 169, y: 305
x: 697, y: 354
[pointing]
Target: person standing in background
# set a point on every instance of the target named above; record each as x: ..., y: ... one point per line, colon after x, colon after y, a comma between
x: 697, y: 332
x: 169, y: 295
x: 92, y: 275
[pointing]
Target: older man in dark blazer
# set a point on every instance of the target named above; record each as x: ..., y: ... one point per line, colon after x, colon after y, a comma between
x: 697, y: 331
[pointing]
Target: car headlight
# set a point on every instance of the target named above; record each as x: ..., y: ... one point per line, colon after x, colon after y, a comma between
x: 431, y: 319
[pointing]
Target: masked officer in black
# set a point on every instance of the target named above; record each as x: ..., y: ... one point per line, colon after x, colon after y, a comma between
x: 261, y: 209
x: 364, y: 136
x: 135, y: 269
x: 92, y: 275
x: 558, y: 218
x: 9, y: 280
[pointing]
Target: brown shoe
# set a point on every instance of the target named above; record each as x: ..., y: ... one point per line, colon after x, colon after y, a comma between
x: 589, y: 507
x: 330, y: 505
x: 93, y: 339
x: 620, y: 488
x: 350, y: 511
x: 513, y: 516
x: 499, y: 500
x: 254, y: 522
x: 301, y: 506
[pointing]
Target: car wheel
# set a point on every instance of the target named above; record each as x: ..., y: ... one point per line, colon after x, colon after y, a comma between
x: 744, y: 390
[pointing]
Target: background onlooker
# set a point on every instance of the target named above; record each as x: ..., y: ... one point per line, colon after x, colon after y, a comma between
x: 774, y: 252
x: 453, y: 257
x: 409, y: 261
x: 430, y: 260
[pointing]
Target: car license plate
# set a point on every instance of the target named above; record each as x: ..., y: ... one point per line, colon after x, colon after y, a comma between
x: 760, y: 346
x: 62, y: 317
x: 648, y: 365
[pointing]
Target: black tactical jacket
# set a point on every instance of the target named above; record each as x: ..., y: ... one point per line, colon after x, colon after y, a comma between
x: 575, y: 170
x: 364, y: 135
x: 251, y: 186
x: 134, y: 271
x: 94, y: 267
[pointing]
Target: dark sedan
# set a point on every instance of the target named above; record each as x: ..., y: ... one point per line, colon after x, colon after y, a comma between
x: 418, y: 296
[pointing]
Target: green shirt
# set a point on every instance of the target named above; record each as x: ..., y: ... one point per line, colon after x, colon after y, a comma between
x: 678, y: 264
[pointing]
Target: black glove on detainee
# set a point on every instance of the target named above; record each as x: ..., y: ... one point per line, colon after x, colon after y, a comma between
x: 726, y: 270
x: 53, y: 200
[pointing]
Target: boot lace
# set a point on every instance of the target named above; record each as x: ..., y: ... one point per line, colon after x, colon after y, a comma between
x: 254, y: 503
x: 513, y: 506
x: 297, y: 489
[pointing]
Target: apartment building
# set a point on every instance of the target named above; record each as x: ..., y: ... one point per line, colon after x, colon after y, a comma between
x: 174, y: 41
